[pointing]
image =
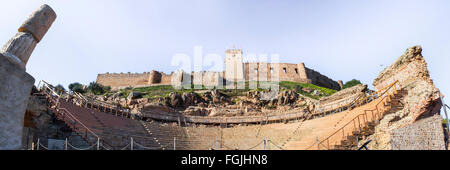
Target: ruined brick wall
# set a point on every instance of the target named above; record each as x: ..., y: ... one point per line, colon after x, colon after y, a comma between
x: 411, y: 71
x: 260, y: 71
x: 287, y: 72
x: 426, y: 134
x: 123, y: 79
x: 407, y: 68
x: 421, y: 99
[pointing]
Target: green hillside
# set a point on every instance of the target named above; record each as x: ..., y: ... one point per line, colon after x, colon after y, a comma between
x: 165, y: 90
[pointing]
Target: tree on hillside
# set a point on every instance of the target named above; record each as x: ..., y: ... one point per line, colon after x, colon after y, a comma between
x: 60, y: 89
x: 98, y: 89
x: 77, y: 87
x: 351, y: 83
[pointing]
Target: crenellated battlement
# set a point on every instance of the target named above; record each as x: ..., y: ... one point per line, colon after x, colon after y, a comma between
x: 235, y: 70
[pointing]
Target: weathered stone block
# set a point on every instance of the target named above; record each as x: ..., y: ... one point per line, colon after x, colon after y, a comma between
x: 15, y: 89
x: 21, y: 46
x: 39, y: 22
x: 13, y: 59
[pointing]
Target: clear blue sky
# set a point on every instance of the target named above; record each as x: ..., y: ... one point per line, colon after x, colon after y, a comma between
x: 341, y: 39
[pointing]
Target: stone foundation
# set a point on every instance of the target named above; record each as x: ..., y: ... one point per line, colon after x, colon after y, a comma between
x: 426, y: 134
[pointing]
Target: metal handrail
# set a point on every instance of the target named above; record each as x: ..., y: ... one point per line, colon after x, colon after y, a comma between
x: 74, y: 118
x: 386, y: 90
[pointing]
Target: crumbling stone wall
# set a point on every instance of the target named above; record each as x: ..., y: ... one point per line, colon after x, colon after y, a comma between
x: 421, y: 99
x: 407, y: 68
x: 425, y: 134
x: 251, y: 72
x: 276, y: 72
x: 287, y: 72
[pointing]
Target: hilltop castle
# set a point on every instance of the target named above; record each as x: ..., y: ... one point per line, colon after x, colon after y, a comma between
x: 235, y: 71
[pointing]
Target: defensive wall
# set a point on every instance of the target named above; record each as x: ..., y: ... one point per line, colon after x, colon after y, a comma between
x: 251, y: 72
x: 235, y: 70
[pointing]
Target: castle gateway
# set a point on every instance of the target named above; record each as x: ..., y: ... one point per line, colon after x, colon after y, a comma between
x: 235, y: 71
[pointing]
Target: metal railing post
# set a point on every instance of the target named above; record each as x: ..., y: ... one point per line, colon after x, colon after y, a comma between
x: 317, y: 141
x: 264, y: 143
x: 328, y: 143
x: 216, y: 144
x: 98, y: 143
x: 131, y: 144
x: 174, y: 142
x: 446, y: 117
x: 38, y: 143
x: 65, y: 144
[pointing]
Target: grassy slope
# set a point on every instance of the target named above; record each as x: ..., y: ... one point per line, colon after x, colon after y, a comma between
x: 164, y: 90
x: 295, y: 86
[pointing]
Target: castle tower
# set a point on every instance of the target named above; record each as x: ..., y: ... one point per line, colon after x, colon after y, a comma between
x: 155, y: 77
x: 302, y: 71
x: 234, y: 67
x: 341, y: 84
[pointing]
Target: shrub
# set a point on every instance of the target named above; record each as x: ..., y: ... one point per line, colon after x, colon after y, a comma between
x: 98, y: 89
x: 351, y: 83
x: 77, y: 87
x: 60, y: 89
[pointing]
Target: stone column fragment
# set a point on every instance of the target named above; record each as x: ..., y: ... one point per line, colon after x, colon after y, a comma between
x: 16, y: 84
x: 39, y: 22
x: 19, y: 48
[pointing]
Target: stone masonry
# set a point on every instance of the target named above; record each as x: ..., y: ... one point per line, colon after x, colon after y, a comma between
x: 425, y: 134
x: 16, y: 84
x: 421, y: 100
x: 235, y: 71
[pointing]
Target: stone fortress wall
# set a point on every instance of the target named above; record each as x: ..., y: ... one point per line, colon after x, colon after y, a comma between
x: 235, y: 70
x: 123, y: 79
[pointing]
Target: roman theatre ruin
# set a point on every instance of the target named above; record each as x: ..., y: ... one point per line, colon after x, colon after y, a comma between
x: 401, y: 112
